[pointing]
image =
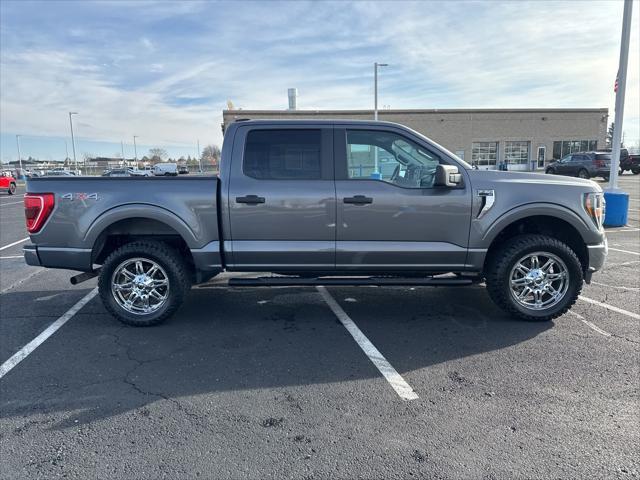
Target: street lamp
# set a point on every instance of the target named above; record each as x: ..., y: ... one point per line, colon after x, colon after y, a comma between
x: 19, y: 154
x: 375, y: 87
x: 135, y: 148
x: 73, y: 140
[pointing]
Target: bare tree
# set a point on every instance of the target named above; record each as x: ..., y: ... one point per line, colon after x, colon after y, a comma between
x: 210, y: 154
x: 158, y: 154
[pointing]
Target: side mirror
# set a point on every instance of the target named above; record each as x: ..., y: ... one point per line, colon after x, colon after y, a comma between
x: 447, y: 176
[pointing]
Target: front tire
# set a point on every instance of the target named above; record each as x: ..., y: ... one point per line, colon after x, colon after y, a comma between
x: 550, y: 171
x: 534, y: 277
x: 583, y: 174
x: 143, y: 283
x: 12, y: 189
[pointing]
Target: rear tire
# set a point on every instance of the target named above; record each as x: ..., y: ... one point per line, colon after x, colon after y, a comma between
x: 504, y: 265
x: 169, y: 281
x: 583, y: 174
x: 635, y: 171
x: 12, y: 189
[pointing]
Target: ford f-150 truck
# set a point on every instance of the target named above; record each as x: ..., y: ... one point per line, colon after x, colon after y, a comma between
x: 322, y: 203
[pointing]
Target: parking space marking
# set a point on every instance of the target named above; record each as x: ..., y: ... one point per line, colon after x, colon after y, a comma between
x: 11, y: 256
x: 402, y: 388
x: 624, y: 251
x: 589, y: 324
x: 623, y: 264
x: 610, y: 307
x: 9, y: 203
x: 24, y: 352
x: 622, y: 230
x: 14, y: 243
x: 620, y: 287
x: 19, y: 282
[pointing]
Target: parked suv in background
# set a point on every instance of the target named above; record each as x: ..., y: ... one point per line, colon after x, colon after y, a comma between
x: 583, y: 165
x: 629, y: 161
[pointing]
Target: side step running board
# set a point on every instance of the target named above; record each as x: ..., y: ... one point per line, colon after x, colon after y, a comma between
x: 346, y: 281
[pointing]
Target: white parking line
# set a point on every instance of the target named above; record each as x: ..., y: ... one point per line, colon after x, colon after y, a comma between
x: 619, y: 287
x: 24, y: 352
x: 14, y: 243
x: 402, y: 388
x: 610, y: 307
x: 589, y: 324
x: 623, y: 264
x: 624, y: 251
x: 9, y: 203
x: 11, y: 256
x: 19, y: 282
x: 624, y: 230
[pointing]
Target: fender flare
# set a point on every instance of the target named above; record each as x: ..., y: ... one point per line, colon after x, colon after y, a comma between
x: 538, y: 209
x: 138, y: 210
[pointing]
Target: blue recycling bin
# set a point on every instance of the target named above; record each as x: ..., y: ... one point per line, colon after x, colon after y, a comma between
x: 617, y: 209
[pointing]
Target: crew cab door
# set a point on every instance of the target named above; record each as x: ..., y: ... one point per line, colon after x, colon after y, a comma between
x: 281, y: 199
x: 391, y: 217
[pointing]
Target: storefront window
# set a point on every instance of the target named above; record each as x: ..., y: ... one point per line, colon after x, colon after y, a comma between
x: 565, y: 147
x: 516, y: 152
x: 484, y: 153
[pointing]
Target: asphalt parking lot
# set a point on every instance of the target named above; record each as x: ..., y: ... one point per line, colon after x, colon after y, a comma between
x: 268, y: 383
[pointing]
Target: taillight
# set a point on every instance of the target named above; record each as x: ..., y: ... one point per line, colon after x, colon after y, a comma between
x: 37, y: 208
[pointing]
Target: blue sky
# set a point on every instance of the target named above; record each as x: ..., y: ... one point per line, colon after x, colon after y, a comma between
x: 165, y: 70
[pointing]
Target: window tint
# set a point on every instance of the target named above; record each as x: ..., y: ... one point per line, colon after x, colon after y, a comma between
x: 283, y: 154
x: 389, y: 157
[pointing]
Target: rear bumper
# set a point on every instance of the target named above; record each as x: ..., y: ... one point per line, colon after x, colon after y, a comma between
x: 56, y: 257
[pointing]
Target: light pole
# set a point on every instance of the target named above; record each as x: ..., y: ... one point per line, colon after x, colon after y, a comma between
x: 66, y: 149
x: 73, y: 140
x: 124, y: 160
x: 622, y: 83
x: 19, y: 154
x: 376, y: 172
x: 135, y: 148
x: 617, y: 201
x: 375, y: 87
x: 199, y: 156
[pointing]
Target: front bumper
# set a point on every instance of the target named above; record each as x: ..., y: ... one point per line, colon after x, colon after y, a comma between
x: 597, y: 256
x: 57, y: 257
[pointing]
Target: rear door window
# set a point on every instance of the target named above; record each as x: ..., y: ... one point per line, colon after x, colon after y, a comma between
x: 293, y: 154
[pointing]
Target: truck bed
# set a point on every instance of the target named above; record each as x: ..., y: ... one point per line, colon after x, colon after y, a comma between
x: 88, y: 208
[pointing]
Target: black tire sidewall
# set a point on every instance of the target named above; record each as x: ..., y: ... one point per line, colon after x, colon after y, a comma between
x: 586, y: 174
x: 519, y: 247
x: 12, y: 189
x: 166, y: 258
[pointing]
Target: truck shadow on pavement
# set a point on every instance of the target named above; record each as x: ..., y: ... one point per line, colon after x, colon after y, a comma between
x: 226, y: 340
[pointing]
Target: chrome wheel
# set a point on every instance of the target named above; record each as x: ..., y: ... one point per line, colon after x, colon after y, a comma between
x: 140, y: 286
x: 539, y: 280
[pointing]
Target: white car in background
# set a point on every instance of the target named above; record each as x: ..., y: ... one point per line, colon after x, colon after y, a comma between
x: 167, y: 169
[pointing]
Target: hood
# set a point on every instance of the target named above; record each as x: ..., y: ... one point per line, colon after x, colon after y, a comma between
x: 483, y: 179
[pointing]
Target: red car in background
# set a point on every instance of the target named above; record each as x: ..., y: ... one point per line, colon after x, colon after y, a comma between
x: 7, y: 183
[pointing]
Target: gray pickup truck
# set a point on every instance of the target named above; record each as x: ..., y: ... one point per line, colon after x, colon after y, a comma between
x: 322, y: 203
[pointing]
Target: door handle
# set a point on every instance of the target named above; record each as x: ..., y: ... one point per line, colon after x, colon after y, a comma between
x: 250, y: 199
x: 358, y: 200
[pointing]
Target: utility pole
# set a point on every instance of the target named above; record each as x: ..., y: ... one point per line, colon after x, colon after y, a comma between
x: 19, y: 154
x: 73, y: 141
x: 375, y: 87
x: 376, y: 172
x: 618, y: 201
x: 135, y: 148
x: 199, y: 156
x: 622, y: 83
x: 124, y: 160
x: 66, y: 149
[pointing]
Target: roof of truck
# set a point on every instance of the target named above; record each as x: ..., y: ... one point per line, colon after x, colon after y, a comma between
x: 279, y: 121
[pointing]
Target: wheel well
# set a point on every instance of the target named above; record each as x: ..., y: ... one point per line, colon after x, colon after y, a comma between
x: 131, y: 229
x: 545, y: 225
